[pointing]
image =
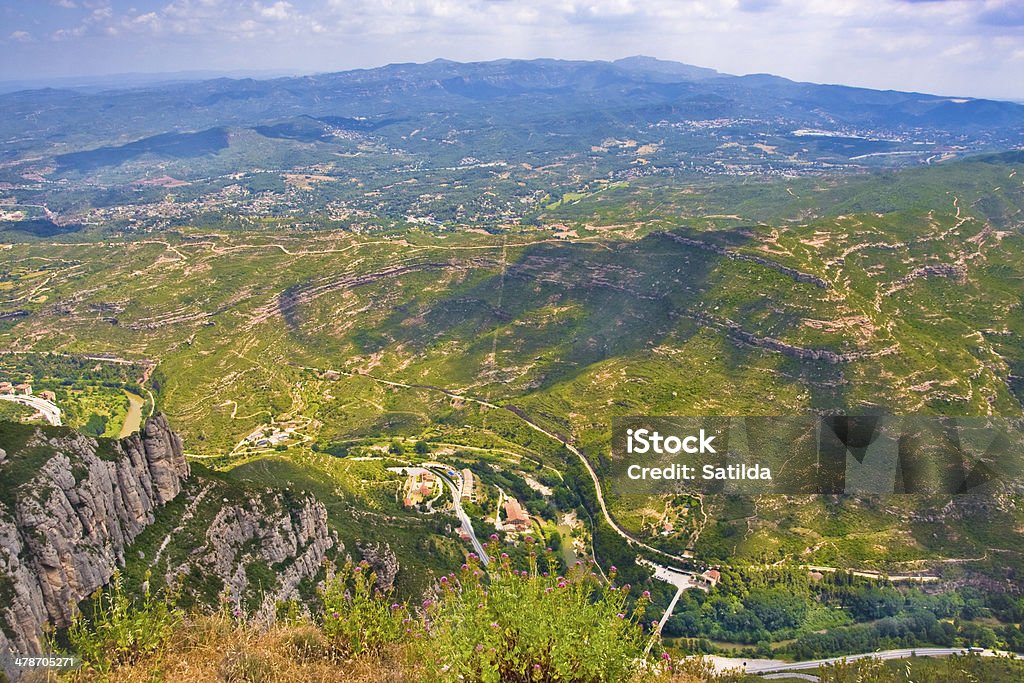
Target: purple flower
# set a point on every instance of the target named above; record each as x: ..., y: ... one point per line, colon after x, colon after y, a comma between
x: 647, y: 594
x: 465, y: 567
x: 665, y: 655
x: 357, y: 570
x: 334, y: 615
x: 494, y: 625
x: 620, y: 615
x: 494, y: 537
x: 396, y: 606
x: 613, y: 568
x: 444, y: 579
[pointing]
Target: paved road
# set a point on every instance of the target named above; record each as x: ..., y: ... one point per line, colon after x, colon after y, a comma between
x: 867, y: 574
x: 684, y: 557
x: 772, y: 667
x: 467, y: 524
x: 49, y: 411
x: 630, y: 539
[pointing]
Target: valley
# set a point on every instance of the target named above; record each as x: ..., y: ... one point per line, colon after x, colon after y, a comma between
x: 418, y: 328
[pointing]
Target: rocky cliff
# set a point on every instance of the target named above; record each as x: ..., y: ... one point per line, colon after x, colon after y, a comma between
x: 69, y: 506
x: 262, y: 549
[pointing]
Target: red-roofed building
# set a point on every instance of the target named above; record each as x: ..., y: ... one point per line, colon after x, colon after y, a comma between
x: 516, y: 518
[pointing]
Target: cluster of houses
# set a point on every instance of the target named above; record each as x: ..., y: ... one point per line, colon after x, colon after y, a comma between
x: 420, y: 486
x: 24, y: 389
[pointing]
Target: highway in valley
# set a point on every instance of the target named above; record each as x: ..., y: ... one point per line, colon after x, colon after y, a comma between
x: 441, y: 471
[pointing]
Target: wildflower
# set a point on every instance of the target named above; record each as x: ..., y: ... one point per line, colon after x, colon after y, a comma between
x: 444, y: 579
x: 665, y: 655
x: 334, y: 615
x: 395, y: 606
x: 647, y: 594
x: 613, y: 569
x: 494, y: 625
x: 465, y: 566
x: 494, y: 537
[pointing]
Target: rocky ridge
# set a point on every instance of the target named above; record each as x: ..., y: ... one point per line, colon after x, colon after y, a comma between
x: 64, y: 530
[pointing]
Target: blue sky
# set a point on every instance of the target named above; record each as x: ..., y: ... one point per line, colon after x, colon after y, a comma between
x: 953, y: 47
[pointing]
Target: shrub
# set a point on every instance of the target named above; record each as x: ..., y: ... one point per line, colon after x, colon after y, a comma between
x: 358, y: 617
x: 119, y: 631
x: 525, y: 626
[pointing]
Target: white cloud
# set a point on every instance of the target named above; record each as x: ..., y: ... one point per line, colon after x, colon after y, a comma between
x: 21, y: 36
x: 278, y: 11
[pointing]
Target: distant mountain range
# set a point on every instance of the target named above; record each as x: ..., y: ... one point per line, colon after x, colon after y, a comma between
x: 561, y: 94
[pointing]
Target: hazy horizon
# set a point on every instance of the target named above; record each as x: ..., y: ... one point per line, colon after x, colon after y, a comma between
x: 972, y: 48
x: 134, y: 79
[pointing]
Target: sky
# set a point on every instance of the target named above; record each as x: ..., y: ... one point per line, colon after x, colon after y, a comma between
x: 949, y: 47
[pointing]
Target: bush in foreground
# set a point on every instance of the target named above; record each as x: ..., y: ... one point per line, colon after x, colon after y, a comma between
x: 504, y: 625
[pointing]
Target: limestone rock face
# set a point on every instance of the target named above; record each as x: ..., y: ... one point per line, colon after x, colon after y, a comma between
x: 64, y: 530
x: 262, y: 549
x: 383, y: 561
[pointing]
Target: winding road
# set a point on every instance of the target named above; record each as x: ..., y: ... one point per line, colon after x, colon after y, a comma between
x: 467, y: 525
x: 774, y: 666
x: 48, y: 410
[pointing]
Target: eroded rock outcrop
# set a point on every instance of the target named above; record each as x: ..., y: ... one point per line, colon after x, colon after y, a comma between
x: 70, y: 507
x: 262, y: 549
x: 382, y: 560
